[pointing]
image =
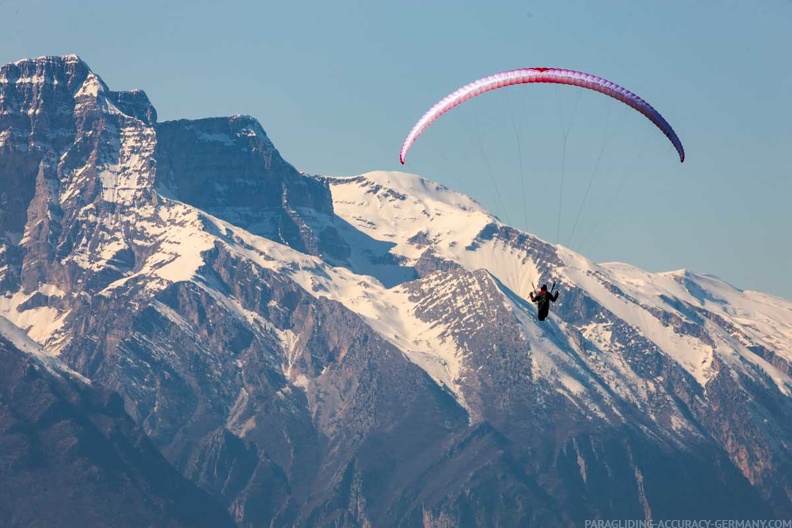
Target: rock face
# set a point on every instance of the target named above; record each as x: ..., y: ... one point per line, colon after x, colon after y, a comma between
x: 70, y: 456
x: 359, y: 351
x: 229, y: 168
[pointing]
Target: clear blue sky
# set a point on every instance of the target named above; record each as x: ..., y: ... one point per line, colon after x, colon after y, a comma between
x: 337, y: 85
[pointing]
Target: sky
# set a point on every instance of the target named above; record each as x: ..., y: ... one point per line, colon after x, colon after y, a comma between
x: 338, y: 85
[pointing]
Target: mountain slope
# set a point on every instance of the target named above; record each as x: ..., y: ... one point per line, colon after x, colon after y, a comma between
x: 70, y: 456
x: 690, y: 354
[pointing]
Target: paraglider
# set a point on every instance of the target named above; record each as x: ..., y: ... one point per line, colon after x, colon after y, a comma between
x: 543, y: 298
x: 540, y: 75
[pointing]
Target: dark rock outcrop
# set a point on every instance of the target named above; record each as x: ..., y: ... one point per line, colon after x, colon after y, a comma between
x: 71, y: 456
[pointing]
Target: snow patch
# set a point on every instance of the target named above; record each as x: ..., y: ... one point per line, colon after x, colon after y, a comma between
x: 41, y: 322
x: 24, y: 343
x: 693, y: 354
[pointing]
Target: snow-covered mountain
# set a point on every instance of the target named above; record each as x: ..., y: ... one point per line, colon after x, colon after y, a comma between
x: 698, y: 322
x: 360, y: 351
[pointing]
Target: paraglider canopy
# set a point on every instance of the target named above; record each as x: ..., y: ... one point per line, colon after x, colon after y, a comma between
x: 540, y: 75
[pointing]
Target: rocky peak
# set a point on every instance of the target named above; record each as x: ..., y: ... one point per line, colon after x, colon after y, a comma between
x: 73, y: 152
x: 69, y: 71
x: 135, y: 103
x: 63, y: 86
x: 79, y: 167
x: 228, y: 167
x: 238, y: 161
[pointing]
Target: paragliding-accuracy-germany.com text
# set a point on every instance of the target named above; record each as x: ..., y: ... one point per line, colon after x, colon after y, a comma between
x: 689, y: 523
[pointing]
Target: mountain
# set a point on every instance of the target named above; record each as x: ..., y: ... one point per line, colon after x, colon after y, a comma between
x: 359, y: 351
